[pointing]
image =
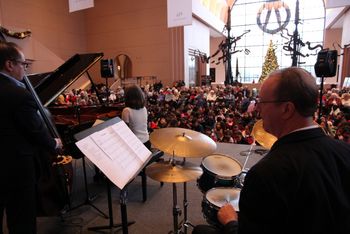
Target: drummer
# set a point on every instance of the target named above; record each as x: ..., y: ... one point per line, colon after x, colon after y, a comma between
x: 303, y: 184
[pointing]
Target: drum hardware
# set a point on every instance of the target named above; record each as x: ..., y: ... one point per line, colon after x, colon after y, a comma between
x: 264, y: 138
x: 184, y: 143
x: 215, y: 198
x: 185, y: 223
x: 173, y: 171
x: 261, y: 151
x: 248, y: 156
x: 242, y: 175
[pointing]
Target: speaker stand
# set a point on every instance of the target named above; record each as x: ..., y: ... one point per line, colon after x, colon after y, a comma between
x: 320, y: 104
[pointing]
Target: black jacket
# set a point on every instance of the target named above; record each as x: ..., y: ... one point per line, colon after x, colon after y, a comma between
x: 301, y: 186
x: 22, y: 134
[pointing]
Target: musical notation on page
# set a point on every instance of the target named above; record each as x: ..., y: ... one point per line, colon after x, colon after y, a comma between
x: 117, y: 152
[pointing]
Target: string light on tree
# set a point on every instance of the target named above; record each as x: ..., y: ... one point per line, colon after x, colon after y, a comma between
x: 270, y: 63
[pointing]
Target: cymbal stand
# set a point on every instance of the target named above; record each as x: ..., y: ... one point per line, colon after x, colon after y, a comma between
x: 176, y: 209
x: 244, y: 170
x: 185, y: 222
x: 247, y: 157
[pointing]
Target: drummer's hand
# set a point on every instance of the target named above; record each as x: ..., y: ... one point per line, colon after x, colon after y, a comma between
x: 227, y: 214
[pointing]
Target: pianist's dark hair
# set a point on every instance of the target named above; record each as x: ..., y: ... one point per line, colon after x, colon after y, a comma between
x: 134, y: 97
x: 8, y: 51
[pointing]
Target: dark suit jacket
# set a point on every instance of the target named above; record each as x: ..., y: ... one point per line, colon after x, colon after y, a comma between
x: 301, y: 186
x: 22, y: 134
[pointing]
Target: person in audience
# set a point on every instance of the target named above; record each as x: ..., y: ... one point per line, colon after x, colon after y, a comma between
x: 211, y: 97
x: 345, y: 99
x: 343, y: 132
x: 23, y: 135
x: 303, y: 184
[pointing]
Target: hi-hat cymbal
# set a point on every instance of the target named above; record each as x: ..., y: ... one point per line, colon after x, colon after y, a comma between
x: 178, y: 172
x: 182, y: 142
x: 264, y: 138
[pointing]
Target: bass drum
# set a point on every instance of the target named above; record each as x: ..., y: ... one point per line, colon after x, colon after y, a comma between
x: 219, y: 171
x: 214, y: 199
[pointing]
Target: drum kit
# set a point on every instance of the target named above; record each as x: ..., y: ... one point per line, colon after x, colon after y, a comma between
x: 218, y: 176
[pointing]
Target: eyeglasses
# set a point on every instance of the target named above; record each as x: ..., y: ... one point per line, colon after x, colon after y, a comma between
x: 24, y: 64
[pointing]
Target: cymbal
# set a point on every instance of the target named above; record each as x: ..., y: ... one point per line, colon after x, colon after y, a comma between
x: 178, y: 172
x: 264, y: 138
x: 182, y: 142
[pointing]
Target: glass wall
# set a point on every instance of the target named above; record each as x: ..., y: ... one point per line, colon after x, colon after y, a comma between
x: 275, y: 20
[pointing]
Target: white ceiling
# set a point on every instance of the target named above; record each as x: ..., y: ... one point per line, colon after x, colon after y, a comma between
x: 336, y: 3
x: 335, y: 11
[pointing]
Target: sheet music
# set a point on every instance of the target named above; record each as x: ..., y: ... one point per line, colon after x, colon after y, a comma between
x: 116, y: 151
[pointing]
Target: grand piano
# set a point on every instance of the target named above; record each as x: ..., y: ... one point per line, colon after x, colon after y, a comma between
x: 72, y: 118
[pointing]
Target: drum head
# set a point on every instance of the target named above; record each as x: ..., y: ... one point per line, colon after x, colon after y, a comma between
x: 222, y: 165
x: 221, y: 196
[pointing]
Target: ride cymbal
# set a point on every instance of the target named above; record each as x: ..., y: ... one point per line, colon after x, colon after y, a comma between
x: 264, y: 138
x: 178, y: 172
x: 182, y: 142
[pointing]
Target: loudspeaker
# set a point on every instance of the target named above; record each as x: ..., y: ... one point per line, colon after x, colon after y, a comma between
x: 326, y: 64
x: 107, y: 68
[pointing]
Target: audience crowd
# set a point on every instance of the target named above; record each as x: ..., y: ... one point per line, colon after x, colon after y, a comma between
x: 224, y: 113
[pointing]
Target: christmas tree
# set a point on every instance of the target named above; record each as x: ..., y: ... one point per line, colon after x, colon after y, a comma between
x: 270, y: 63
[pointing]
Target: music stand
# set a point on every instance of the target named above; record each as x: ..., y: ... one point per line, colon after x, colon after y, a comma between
x: 123, y: 192
x: 124, y: 225
x: 88, y: 199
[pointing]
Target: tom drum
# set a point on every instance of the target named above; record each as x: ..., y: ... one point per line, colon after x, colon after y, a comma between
x: 216, y: 198
x: 219, y: 171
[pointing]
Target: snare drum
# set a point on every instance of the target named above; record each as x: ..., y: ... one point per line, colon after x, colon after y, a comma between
x: 219, y: 171
x: 216, y: 198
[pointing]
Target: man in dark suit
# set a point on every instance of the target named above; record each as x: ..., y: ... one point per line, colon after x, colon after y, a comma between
x: 303, y: 184
x: 22, y: 135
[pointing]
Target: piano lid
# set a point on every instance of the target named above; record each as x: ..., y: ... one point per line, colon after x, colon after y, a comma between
x: 50, y: 85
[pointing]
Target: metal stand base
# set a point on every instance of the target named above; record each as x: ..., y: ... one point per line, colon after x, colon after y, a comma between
x: 88, y: 199
x: 124, y: 225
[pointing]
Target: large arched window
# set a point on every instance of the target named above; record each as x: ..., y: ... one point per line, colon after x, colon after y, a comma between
x: 264, y: 19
